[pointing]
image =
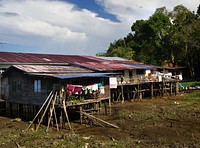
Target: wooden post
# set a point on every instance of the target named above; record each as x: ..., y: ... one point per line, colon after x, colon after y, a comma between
x: 61, y: 118
x: 171, y: 89
x: 163, y: 87
x: 138, y: 91
x: 109, y: 104
x: 151, y: 90
x: 65, y: 110
x: 122, y: 90
x: 105, y: 105
x: 39, y: 111
x: 56, y: 119
x: 177, y: 88
x: 44, y: 112
x: 51, y: 111
x: 120, y: 93
x: 81, y: 115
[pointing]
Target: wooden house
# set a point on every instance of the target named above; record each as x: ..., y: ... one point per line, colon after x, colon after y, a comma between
x: 130, y: 71
x: 33, y: 76
x: 28, y: 86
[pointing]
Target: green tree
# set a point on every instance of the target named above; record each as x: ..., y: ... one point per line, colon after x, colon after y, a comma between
x: 152, y: 35
x: 120, y: 49
x: 170, y: 38
x: 185, y: 22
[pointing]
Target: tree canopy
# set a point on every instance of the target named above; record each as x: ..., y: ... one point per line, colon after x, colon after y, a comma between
x: 164, y: 39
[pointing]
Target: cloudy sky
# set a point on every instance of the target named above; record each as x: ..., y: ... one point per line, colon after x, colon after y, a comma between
x: 84, y: 27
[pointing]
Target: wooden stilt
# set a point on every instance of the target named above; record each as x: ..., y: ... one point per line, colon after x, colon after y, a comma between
x: 151, y: 90
x: 177, y: 88
x: 65, y: 110
x: 122, y: 90
x: 56, y: 119
x: 81, y: 115
x: 138, y: 91
x: 163, y: 87
x: 61, y: 119
x: 51, y: 111
x: 109, y: 104
x: 171, y: 89
x: 105, y: 105
x: 134, y: 93
x: 119, y: 96
x: 44, y: 112
x: 39, y: 111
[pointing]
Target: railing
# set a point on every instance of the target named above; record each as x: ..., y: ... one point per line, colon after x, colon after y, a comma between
x: 150, y: 78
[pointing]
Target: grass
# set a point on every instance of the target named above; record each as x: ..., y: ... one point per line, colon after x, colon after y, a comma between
x: 145, y: 116
x: 193, y: 97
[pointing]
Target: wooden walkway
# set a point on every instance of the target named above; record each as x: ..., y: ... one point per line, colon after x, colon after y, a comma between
x: 137, y: 91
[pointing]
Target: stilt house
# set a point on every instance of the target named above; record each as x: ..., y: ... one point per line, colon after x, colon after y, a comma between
x: 29, y: 78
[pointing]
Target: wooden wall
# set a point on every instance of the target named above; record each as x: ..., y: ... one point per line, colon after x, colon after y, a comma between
x: 21, y: 88
x: 23, y: 102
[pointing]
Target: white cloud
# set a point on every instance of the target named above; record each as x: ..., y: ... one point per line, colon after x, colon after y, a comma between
x: 131, y: 10
x: 54, y: 26
x: 58, y: 27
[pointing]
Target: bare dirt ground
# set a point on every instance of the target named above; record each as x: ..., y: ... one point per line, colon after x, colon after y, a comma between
x: 172, y: 121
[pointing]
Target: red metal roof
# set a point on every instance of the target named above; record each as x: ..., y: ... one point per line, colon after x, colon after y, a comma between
x: 51, y: 69
x: 89, y: 62
x: 12, y: 57
x: 61, y: 72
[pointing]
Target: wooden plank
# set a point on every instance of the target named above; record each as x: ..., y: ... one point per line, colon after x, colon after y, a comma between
x: 51, y: 112
x: 44, y: 112
x: 65, y: 110
x: 98, y: 119
x: 56, y: 119
x: 39, y: 111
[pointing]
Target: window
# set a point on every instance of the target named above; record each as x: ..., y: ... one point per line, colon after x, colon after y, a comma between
x: 37, y: 85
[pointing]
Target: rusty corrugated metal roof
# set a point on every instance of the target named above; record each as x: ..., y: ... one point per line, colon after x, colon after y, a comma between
x: 90, y: 62
x: 51, y: 69
x: 61, y: 72
x: 13, y: 57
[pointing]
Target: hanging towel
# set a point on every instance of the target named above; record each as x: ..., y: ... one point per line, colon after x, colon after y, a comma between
x: 95, y: 87
x: 70, y: 87
x: 78, y: 89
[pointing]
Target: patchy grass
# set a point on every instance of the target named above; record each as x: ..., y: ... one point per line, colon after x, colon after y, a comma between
x: 173, y: 121
x: 194, y: 96
x: 193, y: 99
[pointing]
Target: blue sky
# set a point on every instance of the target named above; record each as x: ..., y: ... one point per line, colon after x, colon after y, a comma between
x: 84, y: 27
x: 93, y: 6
